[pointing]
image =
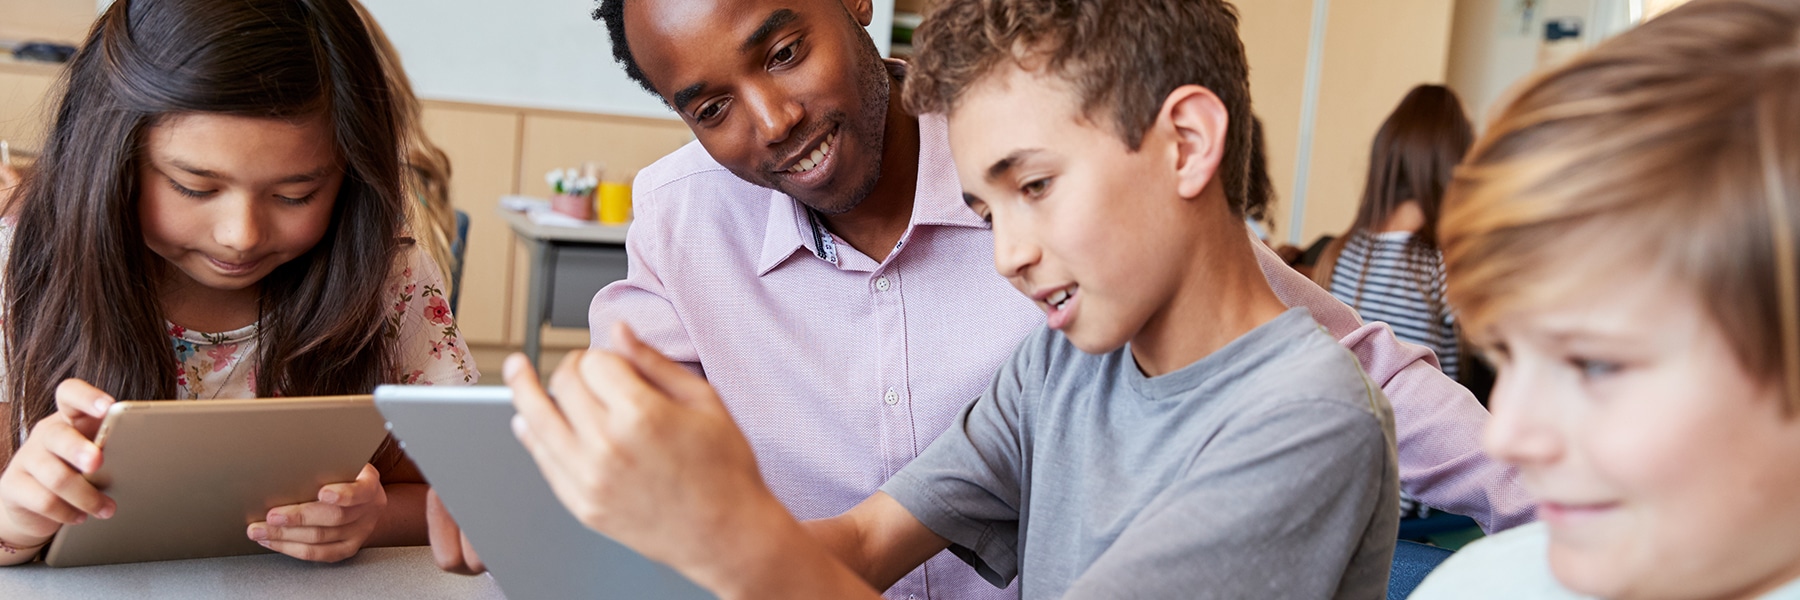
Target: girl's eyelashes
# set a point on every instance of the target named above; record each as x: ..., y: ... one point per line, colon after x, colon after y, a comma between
x: 185, y: 191
x: 193, y: 193
x: 301, y: 201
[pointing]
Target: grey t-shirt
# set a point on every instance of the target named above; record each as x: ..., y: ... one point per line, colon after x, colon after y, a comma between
x: 1265, y: 470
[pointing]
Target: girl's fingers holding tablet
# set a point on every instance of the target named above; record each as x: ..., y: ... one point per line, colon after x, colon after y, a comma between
x: 329, y: 553
x: 70, y: 488
x: 76, y: 397
x: 61, y: 440
x: 38, y: 510
x: 367, y: 488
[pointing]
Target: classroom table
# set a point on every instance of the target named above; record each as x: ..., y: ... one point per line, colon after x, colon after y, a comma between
x: 545, y: 242
x: 373, y: 573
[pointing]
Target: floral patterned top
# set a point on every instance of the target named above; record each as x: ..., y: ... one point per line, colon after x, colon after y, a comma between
x: 223, y: 365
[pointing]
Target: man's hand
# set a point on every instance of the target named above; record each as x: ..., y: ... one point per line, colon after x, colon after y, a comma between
x: 330, y: 529
x: 449, y: 547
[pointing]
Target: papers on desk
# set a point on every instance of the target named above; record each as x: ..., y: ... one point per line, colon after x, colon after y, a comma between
x: 538, y: 210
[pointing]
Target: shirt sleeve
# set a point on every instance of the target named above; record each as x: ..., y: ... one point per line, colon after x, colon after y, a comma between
x: 430, y: 347
x: 966, y: 485
x: 640, y: 299
x: 1437, y: 422
x: 1279, y: 506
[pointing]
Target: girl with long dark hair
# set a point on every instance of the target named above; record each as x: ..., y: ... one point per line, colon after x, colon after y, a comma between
x: 1388, y: 266
x: 218, y: 213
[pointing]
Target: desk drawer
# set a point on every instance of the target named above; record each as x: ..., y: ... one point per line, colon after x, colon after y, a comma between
x: 578, y: 273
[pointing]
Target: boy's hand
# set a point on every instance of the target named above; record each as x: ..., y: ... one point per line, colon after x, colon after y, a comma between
x: 331, y: 529
x: 640, y: 449
x: 44, y: 486
x: 449, y: 547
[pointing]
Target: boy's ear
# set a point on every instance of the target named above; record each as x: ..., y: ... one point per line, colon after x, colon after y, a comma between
x: 863, y: 10
x: 1200, y: 121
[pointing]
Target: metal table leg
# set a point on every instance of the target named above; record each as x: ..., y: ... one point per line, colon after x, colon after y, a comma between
x: 542, y: 255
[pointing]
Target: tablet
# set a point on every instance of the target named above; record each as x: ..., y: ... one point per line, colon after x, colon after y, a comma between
x: 461, y: 438
x: 190, y: 476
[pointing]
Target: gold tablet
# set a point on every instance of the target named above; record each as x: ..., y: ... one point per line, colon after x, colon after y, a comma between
x: 190, y: 476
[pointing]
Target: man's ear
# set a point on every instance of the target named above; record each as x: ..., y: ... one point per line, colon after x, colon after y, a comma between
x: 1200, y: 121
x: 863, y: 10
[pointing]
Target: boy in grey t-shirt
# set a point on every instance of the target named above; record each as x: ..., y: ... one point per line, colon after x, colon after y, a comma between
x: 1175, y: 432
x: 1260, y: 471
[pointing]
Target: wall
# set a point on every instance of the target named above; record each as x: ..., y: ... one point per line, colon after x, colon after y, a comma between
x: 1370, y: 53
x: 1495, y: 44
x: 546, y: 54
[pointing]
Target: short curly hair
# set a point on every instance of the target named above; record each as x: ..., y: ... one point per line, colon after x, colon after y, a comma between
x: 1123, y: 58
x: 612, y: 14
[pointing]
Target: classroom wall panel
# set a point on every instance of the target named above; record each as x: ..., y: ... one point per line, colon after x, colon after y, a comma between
x: 1275, y: 35
x: 1374, y: 51
x: 26, y: 105
x: 483, y: 145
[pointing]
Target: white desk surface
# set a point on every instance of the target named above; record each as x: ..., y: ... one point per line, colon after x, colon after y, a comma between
x: 373, y: 573
x: 595, y: 234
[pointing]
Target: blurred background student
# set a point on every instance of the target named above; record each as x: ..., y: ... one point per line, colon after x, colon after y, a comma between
x: 1387, y: 266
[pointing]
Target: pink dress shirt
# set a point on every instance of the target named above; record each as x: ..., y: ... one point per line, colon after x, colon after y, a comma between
x: 840, y: 370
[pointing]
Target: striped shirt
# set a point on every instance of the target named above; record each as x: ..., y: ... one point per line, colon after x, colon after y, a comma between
x: 1384, y: 281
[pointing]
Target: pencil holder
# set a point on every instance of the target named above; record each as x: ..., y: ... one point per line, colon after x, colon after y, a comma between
x: 615, y: 203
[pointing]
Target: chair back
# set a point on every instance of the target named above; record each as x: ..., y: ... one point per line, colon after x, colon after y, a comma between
x: 458, y: 247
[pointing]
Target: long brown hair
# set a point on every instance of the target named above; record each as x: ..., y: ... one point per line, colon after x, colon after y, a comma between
x: 81, y: 288
x: 1669, y: 150
x: 1412, y: 159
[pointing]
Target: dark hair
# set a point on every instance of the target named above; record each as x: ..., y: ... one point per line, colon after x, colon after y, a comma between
x: 81, y: 286
x: 1123, y: 58
x: 612, y: 14
x: 1412, y: 158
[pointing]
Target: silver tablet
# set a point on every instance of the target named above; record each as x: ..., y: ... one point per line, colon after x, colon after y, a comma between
x: 461, y: 438
x: 189, y: 476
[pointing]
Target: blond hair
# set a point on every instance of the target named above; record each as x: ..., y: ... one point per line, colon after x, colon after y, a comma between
x: 1671, y: 146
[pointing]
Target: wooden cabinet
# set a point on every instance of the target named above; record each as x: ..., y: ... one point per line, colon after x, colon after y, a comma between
x: 496, y: 151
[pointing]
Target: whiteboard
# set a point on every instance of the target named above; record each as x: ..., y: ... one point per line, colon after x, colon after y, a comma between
x: 530, y: 53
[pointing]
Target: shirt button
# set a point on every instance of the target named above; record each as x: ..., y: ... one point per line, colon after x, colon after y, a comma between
x: 892, y: 397
x: 881, y: 283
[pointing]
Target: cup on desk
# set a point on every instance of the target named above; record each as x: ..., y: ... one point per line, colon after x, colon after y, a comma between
x: 614, y: 202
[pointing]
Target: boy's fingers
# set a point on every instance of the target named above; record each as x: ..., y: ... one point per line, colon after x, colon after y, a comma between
x: 584, y: 412
x: 619, y: 384
x: 681, y: 384
x: 540, y: 415
x: 449, y: 549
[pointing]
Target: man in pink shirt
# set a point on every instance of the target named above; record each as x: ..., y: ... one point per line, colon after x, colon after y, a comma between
x: 812, y: 256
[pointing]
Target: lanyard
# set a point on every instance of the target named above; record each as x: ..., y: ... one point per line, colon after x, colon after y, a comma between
x: 822, y: 244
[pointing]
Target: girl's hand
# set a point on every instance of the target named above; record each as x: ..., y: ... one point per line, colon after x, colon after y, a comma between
x: 44, y: 487
x: 331, y: 529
